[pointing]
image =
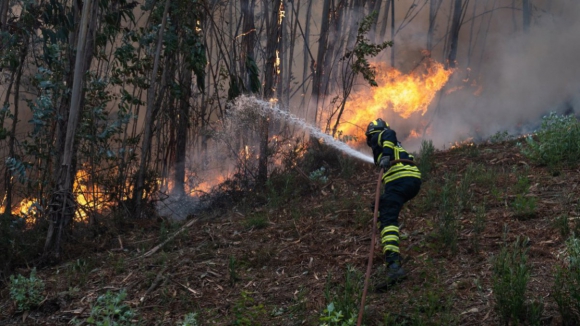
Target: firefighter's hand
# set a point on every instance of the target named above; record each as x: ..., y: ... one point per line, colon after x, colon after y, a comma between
x: 385, y: 162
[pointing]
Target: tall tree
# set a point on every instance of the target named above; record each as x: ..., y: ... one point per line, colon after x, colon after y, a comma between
x: 454, y: 33
x: 63, y: 204
x: 527, y: 12
x: 433, y: 10
x: 270, y: 80
x: 149, y: 118
x: 322, y: 46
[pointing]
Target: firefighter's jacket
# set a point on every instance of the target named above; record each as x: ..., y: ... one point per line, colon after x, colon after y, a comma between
x: 385, y: 143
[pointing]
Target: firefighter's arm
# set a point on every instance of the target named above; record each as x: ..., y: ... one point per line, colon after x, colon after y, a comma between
x: 388, y: 141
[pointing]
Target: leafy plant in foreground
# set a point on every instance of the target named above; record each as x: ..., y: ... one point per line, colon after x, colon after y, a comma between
x: 109, y: 310
x: 26, y: 292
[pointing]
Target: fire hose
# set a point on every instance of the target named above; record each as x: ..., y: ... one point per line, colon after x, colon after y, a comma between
x: 373, y: 239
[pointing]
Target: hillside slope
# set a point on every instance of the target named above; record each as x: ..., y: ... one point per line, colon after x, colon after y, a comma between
x: 282, y: 263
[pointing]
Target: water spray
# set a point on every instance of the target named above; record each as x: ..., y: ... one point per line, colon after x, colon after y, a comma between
x: 251, y: 103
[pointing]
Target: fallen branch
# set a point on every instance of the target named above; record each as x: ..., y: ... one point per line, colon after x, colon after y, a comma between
x: 155, y: 283
x: 159, y: 246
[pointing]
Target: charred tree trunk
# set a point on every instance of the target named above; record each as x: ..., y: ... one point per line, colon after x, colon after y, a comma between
x: 249, y: 36
x: 62, y: 203
x: 454, y: 33
x: 181, y: 134
x: 433, y: 9
x: 308, y: 59
x: 149, y: 119
x: 385, y: 20
x: 527, y: 12
x: 322, y: 45
x: 393, y: 33
x: 12, y: 140
x: 270, y: 81
x: 4, y: 14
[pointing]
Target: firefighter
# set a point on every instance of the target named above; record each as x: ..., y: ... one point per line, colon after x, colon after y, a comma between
x: 402, y: 182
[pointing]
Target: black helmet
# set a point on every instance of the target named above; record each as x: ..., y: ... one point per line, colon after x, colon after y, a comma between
x: 376, y: 126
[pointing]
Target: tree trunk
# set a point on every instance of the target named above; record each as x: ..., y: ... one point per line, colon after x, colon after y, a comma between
x: 270, y: 81
x: 12, y: 140
x: 385, y: 20
x: 4, y: 14
x: 62, y: 203
x: 181, y: 134
x: 393, y: 33
x: 308, y: 59
x: 322, y: 45
x: 454, y: 35
x: 149, y: 119
x: 527, y: 12
x: 433, y: 9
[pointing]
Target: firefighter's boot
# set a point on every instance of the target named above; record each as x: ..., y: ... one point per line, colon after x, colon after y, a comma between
x: 395, y: 274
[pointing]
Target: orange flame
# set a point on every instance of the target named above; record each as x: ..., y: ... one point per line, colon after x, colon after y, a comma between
x: 403, y: 94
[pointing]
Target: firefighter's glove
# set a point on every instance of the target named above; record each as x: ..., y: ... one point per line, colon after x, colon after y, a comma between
x: 385, y: 162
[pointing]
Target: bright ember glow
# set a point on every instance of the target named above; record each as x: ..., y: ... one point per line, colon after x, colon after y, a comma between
x: 402, y: 94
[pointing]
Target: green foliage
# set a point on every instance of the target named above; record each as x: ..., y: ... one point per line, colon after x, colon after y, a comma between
x: 319, y: 176
x: 561, y: 224
x: 566, y: 289
x: 331, y: 316
x: 364, y: 48
x: 17, y: 168
x: 254, y: 74
x: 448, y: 226
x: 257, y: 220
x: 26, y: 291
x: 511, y: 274
x: 189, y: 320
x: 557, y: 141
x: 426, y: 158
x: 109, y: 310
x: 343, y: 301
x: 246, y: 312
x: 524, y: 206
x: 500, y: 137
x: 478, y: 226
x: 233, y: 270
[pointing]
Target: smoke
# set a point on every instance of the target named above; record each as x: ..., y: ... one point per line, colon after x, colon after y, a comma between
x: 524, y: 76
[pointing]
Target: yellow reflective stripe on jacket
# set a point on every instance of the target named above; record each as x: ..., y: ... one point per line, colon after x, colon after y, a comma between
x: 401, y: 174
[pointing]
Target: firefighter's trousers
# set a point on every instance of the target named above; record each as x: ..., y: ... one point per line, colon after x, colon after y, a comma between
x: 396, y: 194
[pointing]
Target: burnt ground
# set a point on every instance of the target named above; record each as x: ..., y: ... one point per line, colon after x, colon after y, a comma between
x: 272, y: 265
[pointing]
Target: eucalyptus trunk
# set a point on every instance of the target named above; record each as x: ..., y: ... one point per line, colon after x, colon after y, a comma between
x: 12, y: 139
x: 527, y: 14
x: 454, y: 33
x: 270, y: 82
x: 149, y: 119
x: 322, y: 46
x: 62, y: 203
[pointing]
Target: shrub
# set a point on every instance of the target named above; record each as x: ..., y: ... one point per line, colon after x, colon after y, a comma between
x: 524, y: 207
x: 557, y: 141
x: 189, y: 320
x: 567, y: 285
x: 511, y: 274
x: 26, y: 292
x: 109, y: 310
x: 343, y: 302
x: 426, y: 158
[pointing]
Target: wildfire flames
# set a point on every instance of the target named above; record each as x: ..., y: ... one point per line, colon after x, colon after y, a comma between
x: 93, y: 198
x: 402, y: 94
